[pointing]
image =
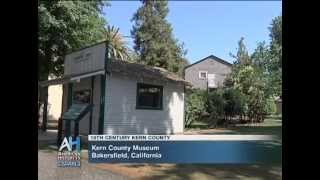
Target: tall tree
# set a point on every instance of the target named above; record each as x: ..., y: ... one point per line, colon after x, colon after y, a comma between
x: 268, y: 58
x: 276, y: 54
x: 65, y: 26
x: 258, y: 76
x: 276, y: 31
x: 261, y: 60
x: 153, y: 38
x: 249, y: 79
x: 242, y: 57
x: 260, y: 57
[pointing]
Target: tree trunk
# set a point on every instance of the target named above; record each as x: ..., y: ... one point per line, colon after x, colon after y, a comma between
x: 45, y: 109
x: 44, y: 100
x: 39, y: 106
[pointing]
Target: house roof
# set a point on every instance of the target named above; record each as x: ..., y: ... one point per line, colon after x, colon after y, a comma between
x: 124, y: 68
x: 68, y: 78
x: 143, y: 71
x: 210, y: 57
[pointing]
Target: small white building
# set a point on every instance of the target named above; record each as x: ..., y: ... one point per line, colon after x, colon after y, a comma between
x: 127, y: 98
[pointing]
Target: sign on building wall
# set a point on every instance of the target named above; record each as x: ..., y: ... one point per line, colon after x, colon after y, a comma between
x: 212, y: 81
x: 86, y: 60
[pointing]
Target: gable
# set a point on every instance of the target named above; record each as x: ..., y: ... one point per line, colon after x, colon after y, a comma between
x: 210, y: 58
x: 209, y: 65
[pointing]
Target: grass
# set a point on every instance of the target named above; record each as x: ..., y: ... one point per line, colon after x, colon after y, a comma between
x: 271, y: 125
x: 198, y: 125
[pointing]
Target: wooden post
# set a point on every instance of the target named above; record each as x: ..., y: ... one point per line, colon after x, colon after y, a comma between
x: 102, y: 103
x: 76, y: 129
x: 59, y: 138
x: 91, y: 102
x: 103, y: 90
x: 60, y: 121
x: 70, y: 87
x: 39, y: 106
x: 67, y: 128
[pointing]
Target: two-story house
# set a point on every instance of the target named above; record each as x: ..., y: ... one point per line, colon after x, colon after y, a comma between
x: 207, y: 73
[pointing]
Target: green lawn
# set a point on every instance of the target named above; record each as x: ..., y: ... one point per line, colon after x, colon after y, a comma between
x: 198, y: 125
x: 271, y: 126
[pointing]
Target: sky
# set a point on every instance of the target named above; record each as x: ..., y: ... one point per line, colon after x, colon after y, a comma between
x: 206, y: 27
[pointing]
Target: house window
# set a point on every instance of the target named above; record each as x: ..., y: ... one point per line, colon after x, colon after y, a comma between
x: 82, y: 96
x: 203, y: 74
x: 149, y: 96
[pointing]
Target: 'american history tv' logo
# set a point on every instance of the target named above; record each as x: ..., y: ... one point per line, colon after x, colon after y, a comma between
x: 67, y: 156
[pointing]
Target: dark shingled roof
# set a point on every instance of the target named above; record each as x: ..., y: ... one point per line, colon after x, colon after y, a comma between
x: 128, y: 69
x: 143, y: 71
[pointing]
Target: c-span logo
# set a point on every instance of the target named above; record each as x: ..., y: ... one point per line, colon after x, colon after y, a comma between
x: 67, y: 155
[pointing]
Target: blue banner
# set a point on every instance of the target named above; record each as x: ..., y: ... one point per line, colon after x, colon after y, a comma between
x: 217, y: 152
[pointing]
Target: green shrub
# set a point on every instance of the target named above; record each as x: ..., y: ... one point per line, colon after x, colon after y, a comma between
x: 270, y: 107
x: 235, y: 102
x: 195, y: 106
x: 216, y: 105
